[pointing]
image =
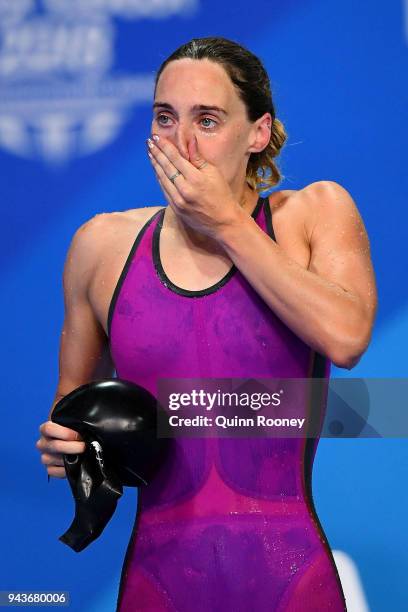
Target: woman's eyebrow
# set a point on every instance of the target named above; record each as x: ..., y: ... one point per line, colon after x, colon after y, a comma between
x: 196, y: 107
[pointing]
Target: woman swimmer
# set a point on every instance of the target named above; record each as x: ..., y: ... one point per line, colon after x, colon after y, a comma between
x: 219, y: 283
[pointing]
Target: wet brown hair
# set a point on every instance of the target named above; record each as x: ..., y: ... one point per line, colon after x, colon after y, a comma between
x: 251, y: 81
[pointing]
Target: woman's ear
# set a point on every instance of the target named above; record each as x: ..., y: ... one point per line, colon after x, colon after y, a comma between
x: 260, y: 134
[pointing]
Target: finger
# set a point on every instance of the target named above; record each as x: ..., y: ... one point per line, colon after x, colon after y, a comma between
x: 43, y: 442
x: 166, y: 193
x: 174, y: 195
x: 50, y: 460
x: 195, y: 156
x: 40, y: 443
x: 54, y: 430
x: 161, y: 163
x: 165, y: 151
x: 57, y: 472
x: 60, y: 446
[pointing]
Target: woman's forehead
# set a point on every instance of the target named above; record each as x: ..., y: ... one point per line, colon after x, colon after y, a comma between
x: 196, y: 82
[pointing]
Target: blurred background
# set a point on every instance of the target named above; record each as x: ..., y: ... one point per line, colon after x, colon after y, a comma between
x: 76, y: 82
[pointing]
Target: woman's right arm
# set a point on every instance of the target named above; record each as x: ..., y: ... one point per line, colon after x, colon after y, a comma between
x: 84, y: 349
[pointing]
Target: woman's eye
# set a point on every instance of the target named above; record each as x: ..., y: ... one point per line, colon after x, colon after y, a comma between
x: 164, y: 120
x: 160, y: 117
x: 208, y: 119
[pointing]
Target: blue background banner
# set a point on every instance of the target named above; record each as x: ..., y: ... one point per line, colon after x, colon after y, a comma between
x: 76, y: 82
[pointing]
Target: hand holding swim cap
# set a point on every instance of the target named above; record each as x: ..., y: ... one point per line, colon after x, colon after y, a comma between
x: 117, y: 419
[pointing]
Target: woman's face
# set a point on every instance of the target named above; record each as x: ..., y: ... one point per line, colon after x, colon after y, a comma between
x: 186, y: 94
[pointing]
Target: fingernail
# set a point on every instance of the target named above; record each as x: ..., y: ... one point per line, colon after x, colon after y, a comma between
x: 155, y: 137
x: 150, y: 143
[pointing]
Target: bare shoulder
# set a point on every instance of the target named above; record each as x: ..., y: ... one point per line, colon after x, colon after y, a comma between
x: 313, y: 206
x: 99, y: 235
x: 324, y: 202
x: 103, y: 228
x: 95, y: 229
x: 322, y: 192
x: 139, y: 215
x: 320, y: 213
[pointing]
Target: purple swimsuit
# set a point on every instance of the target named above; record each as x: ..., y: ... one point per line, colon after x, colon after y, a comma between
x: 227, y: 524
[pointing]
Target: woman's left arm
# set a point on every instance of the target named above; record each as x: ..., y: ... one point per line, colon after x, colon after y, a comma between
x: 332, y: 305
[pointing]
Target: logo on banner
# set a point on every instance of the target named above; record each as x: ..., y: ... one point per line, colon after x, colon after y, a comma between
x: 59, y: 96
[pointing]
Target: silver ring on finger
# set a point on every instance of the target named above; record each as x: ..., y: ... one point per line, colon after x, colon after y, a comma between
x: 174, y: 176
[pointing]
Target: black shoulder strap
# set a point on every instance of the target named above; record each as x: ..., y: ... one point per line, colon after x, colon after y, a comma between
x: 268, y: 217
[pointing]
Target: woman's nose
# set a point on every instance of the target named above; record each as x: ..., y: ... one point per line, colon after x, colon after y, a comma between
x: 181, y: 139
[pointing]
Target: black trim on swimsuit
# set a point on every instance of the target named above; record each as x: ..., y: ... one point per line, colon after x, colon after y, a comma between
x: 179, y: 290
x: 268, y: 218
x: 316, y: 401
x: 125, y: 270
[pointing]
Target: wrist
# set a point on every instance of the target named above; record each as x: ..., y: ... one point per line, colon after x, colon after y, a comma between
x: 231, y: 231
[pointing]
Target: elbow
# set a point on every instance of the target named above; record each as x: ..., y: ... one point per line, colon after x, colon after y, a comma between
x: 349, y: 340
x: 347, y: 354
x: 346, y: 361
